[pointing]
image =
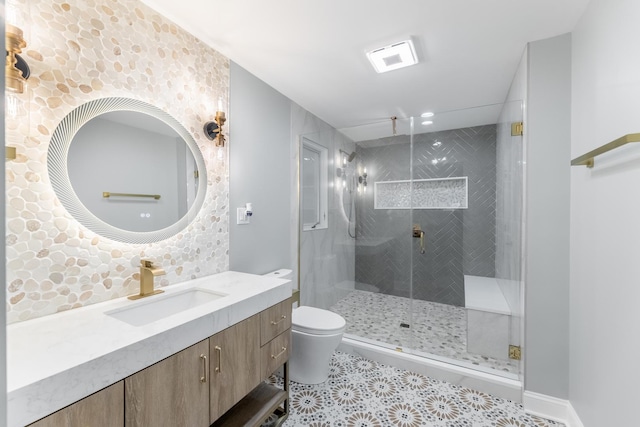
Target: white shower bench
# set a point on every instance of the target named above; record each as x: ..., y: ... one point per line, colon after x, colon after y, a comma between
x: 488, y: 317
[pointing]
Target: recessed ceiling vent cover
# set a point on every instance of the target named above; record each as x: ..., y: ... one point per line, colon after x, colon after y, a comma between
x: 392, y: 57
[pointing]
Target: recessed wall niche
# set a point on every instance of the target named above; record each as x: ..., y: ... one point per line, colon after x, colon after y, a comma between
x: 79, y: 51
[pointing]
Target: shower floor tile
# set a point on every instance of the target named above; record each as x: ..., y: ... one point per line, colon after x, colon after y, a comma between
x: 436, y: 329
x: 363, y: 393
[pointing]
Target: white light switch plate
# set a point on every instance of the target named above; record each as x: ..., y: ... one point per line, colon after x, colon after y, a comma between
x: 243, y: 219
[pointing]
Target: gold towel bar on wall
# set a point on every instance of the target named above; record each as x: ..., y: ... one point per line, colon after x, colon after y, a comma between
x: 107, y: 194
x: 587, y: 159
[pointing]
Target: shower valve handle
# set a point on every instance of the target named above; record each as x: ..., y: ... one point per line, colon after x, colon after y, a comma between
x: 419, y: 234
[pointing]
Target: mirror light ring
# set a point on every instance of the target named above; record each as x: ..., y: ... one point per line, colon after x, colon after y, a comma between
x: 57, y: 166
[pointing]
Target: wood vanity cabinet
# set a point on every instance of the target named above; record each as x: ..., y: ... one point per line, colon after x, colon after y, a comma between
x: 216, y: 381
x: 257, y: 400
x: 235, y: 365
x: 173, y: 392
x: 102, y: 409
x: 244, y: 355
x: 275, y: 337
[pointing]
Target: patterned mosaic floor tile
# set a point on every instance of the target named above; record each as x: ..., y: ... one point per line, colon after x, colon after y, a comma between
x: 363, y: 393
x: 437, y: 329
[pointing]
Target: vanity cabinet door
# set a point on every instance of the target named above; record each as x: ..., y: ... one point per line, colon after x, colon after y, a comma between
x: 102, y: 409
x: 173, y: 392
x: 235, y: 365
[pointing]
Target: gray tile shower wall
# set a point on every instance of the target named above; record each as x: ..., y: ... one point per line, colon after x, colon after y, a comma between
x: 457, y: 241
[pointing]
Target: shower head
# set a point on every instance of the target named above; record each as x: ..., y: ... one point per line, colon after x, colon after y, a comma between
x: 347, y: 157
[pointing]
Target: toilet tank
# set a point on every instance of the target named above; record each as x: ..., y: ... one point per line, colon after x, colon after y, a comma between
x: 283, y: 273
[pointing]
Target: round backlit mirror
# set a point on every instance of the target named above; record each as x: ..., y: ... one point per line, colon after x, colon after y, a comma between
x: 127, y: 170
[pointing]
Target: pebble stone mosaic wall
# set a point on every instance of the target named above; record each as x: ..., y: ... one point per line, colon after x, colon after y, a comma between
x: 80, y: 50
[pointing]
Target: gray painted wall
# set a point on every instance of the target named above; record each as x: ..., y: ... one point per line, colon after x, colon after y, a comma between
x: 605, y: 342
x: 458, y: 241
x: 547, y: 217
x: 259, y: 169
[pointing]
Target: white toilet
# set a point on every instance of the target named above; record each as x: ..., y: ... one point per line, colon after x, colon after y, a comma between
x: 316, y: 334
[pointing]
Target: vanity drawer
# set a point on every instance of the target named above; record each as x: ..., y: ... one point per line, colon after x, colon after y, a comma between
x: 275, y: 353
x: 274, y: 321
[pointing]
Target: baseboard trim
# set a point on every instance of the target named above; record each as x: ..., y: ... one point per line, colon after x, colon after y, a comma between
x: 551, y: 408
x: 573, y: 420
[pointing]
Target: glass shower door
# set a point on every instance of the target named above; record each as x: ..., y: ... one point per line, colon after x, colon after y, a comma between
x: 423, y: 224
x: 379, y: 309
x: 460, y: 312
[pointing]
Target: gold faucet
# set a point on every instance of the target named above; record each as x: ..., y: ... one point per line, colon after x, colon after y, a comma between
x: 147, y: 272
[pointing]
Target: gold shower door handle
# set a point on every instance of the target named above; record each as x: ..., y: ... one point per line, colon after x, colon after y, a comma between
x: 422, y: 250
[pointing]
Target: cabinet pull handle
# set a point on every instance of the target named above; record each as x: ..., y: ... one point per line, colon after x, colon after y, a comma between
x: 219, y: 351
x: 279, y: 354
x: 273, y: 322
x: 203, y: 379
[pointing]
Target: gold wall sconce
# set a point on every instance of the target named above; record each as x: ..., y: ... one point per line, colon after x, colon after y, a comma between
x: 213, y: 129
x: 16, y: 68
x: 16, y: 74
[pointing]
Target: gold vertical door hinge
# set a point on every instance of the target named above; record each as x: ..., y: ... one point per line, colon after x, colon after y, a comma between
x: 515, y: 352
x: 517, y: 129
x: 196, y: 174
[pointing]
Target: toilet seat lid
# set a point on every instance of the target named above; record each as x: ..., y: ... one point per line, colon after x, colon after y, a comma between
x: 317, y: 321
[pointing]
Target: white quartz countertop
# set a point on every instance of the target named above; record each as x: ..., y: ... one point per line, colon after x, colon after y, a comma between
x: 59, y: 359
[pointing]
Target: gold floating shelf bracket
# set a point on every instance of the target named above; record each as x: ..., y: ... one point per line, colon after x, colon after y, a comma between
x: 588, y: 159
x: 107, y: 194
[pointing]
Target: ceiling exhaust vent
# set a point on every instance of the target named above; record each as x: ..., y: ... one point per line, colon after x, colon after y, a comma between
x: 394, y: 56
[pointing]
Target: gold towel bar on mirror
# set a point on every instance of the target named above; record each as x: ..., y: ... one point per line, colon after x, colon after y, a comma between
x: 107, y: 194
x: 588, y: 159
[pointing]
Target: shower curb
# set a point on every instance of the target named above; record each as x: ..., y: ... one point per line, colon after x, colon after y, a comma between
x: 506, y: 388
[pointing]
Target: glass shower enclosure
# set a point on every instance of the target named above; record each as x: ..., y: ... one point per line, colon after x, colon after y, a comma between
x: 421, y: 252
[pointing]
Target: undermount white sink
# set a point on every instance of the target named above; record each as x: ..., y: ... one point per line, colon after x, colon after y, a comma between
x: 158, y: 307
